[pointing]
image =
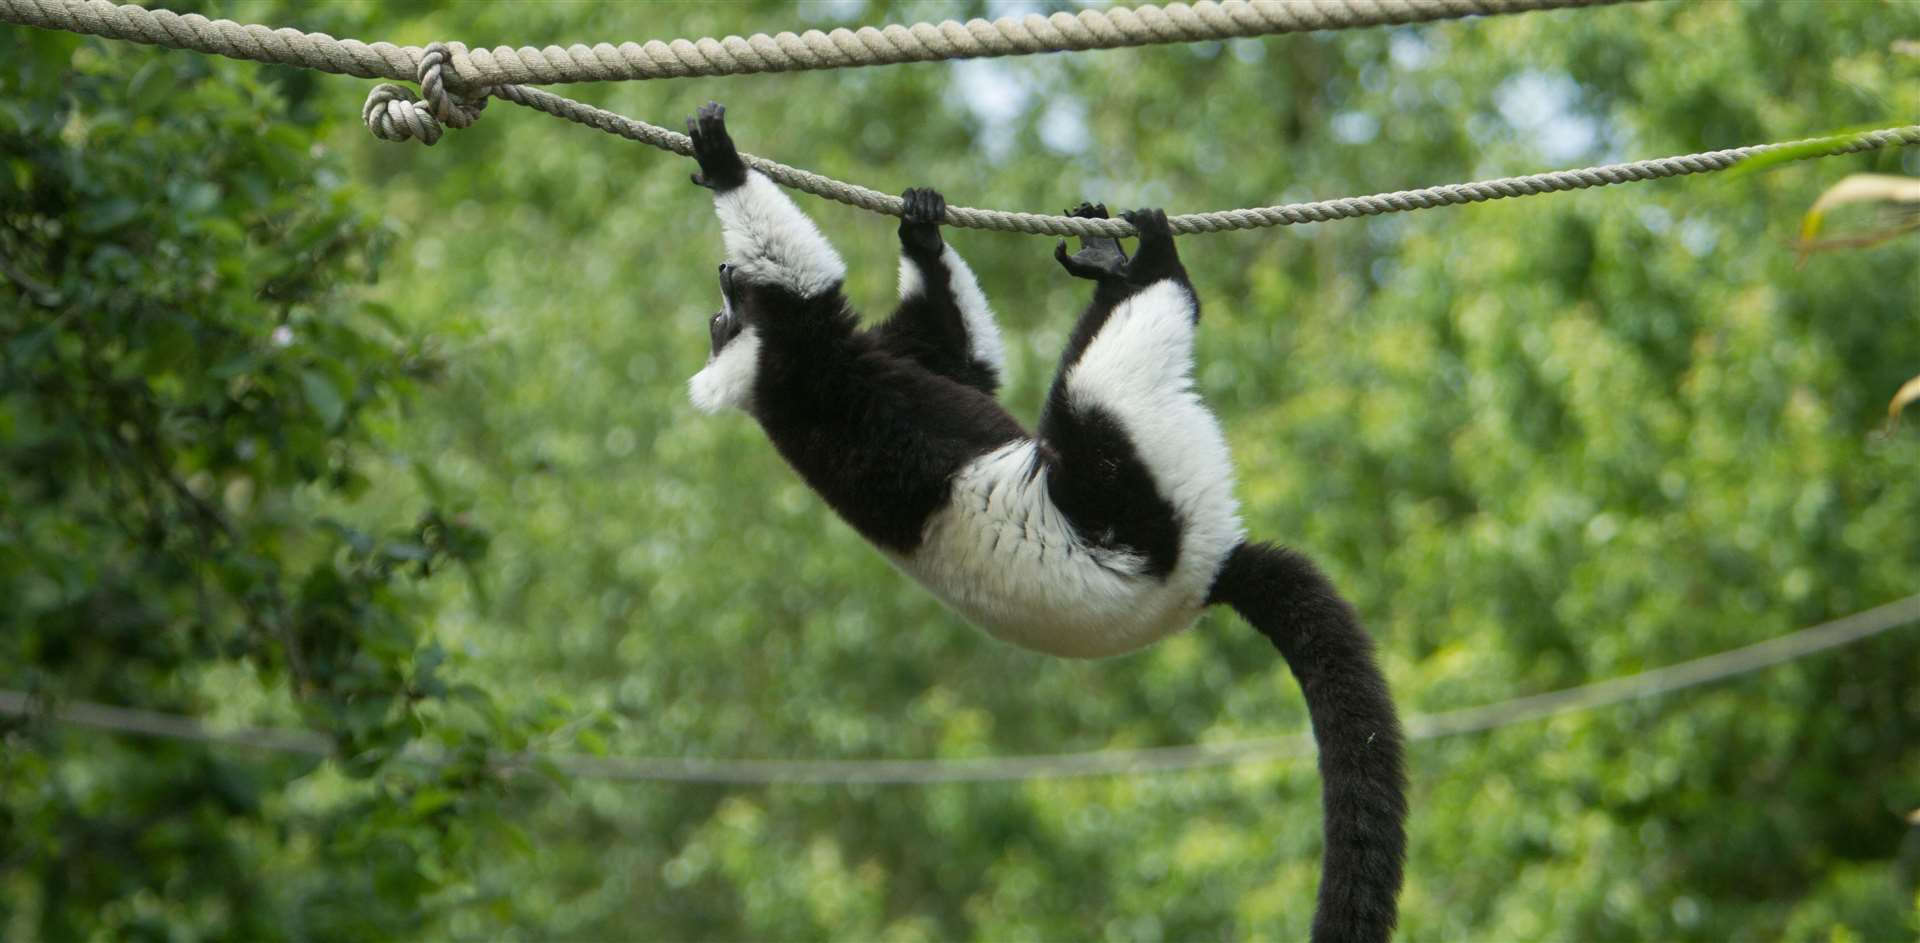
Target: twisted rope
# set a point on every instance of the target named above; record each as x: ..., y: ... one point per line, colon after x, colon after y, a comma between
x: 1655, y: 682
x: 735, y: 55
x: 1222, y: 220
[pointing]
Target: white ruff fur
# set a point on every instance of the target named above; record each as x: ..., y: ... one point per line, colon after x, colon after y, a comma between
x: 770, y: 241
x: 912, y: 283
x: 983, y: 335
x: 727, y: 379
x: 1006, y: 559
x: 1003, y: 555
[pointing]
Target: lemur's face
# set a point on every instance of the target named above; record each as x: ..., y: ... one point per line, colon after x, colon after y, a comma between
x: 727, y: 380
x: 726, y: 323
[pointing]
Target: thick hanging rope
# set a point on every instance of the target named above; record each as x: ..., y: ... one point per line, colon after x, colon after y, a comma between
x: 1652, y: 683
x: 735, y: 55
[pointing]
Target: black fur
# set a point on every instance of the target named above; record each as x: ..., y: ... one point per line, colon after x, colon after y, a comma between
x: 1099, y: 482
x: 928, y: 327
x: 877, y: 434
x: 1361, y: 766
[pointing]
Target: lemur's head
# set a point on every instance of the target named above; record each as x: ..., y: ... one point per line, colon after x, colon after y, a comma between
x: 727, y: 379
x: 726, y: 323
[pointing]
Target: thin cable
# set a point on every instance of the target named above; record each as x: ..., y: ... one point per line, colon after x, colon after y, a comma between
x: 1289, y: 214
x: 735, y: 55
x: 1647, y: 684
x: 147, y: 723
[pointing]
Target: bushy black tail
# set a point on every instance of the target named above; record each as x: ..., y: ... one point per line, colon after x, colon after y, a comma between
x: 1363, y: 780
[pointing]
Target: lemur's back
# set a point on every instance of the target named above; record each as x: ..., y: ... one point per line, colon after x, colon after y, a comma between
x: 879, y: 436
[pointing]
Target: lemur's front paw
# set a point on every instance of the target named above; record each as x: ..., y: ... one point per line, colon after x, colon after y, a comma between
x: 1100, y: 257
x: 1155, y: 258
x: 720, y: 165
x: 920, y: 224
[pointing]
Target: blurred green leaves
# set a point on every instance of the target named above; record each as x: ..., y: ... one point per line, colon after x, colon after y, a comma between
x: 188, y: 392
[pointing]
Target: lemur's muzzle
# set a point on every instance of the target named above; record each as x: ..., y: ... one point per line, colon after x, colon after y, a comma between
x: 725, y: 324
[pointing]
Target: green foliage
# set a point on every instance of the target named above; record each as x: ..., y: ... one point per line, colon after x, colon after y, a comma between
x: 189, y: 385
x: 1540, y: 442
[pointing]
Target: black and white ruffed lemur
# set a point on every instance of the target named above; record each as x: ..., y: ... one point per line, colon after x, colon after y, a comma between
x: 1111, y: 528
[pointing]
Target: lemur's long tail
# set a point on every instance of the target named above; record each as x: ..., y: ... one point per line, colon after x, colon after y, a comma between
x: 1363, y: 780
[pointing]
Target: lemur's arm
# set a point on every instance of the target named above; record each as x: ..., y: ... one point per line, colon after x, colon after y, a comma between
x: 769, y: 241
x: 943, y: 320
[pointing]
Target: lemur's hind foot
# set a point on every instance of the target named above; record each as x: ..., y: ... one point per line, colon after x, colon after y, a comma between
x: 1100, y: 257
x: 721, y: 168
x: 926, y: 209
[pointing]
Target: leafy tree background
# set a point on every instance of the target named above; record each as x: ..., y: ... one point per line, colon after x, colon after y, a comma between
x: 390, y: 443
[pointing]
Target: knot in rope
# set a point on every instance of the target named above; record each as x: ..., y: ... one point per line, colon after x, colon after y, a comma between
x: 394, y: 113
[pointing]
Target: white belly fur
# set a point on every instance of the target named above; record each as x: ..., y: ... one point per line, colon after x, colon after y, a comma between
x: 1004, y: 557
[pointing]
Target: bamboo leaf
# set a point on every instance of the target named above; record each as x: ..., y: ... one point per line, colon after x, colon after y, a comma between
x: 1908, y: 394
x: 1900, y: 192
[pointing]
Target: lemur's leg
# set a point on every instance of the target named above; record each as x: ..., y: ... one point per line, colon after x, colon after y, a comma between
x: 769, y: 241
x: 1132, y: 451
x: 943, y: 320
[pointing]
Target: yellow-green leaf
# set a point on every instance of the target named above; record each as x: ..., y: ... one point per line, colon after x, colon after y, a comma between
x: 1908, y: 394
x: 1860, y: 188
